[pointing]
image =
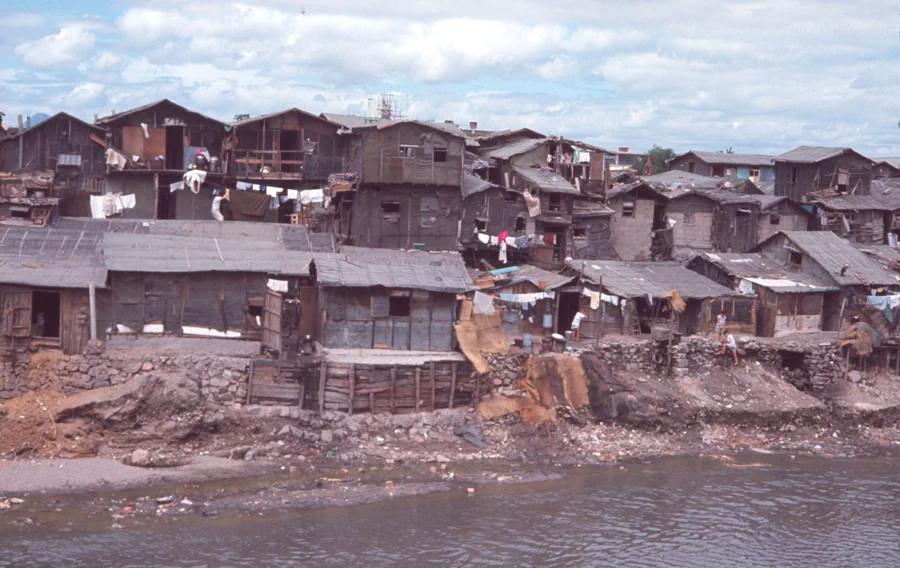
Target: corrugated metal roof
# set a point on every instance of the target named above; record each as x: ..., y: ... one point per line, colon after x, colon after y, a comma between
x: 676, y: 178
x: 833, y: 253
x: 637, y: 279
x: 624, y: 188
x: 721, y: 158
x: 767, y: 187
x: 886, y: 192
x: 73, y: 160
x: 885, y: 255
x: 417, y: 270
x: 252, y: 119
x: 546, y: 180
x: 766, y: 272
x: 473, y: 184
x: 583, y: 207
x: 514, y: 148
x: 114, y: 117
x: 893, y: 161
x: 50, y: 257
x: 487, y: 139
x: 718, y: 195
x: 812, y: 154
x: 15, y: 133
x: 852, y: 203
x: 128, y: 252
x: 352, y: 120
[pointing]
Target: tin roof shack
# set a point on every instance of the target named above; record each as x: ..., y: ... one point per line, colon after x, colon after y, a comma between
x: 712, y: 219
x: 45, y: 275
x: 489, y: 209
x: 632, y: 296
x: 860, y: 218
x: 755, y: 167
x: 25, y: 198
x: 638, y: 225
x: 886, y: 168
x: 291, y: 146
x: 527, y: 298
x: 581, y: 164
x: 824, y: 256
x: 807, y: 169
x: 591, y: 234
x: 382, y: 299
x: 159, y: 141
x: 780, y: 214
x: 767, y: 298
x: 553, y: 226
x: 66, y: 146
x: 409, y: 192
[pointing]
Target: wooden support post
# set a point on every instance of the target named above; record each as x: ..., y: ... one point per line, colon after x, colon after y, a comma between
x: 92, y: 297
x: 432, y: 385
x: 323, y: 376
x: 249, y: 382
x: 418, y: 387
x: 452, y: 383
x: 393, y: 387
x: 352, y: 388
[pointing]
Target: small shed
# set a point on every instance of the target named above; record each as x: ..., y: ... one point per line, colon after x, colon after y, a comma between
x: 767, y: 298
x: 886, y: 168
x: 628, y: 297
x: 379, y: 298
x: 639, y: 211
x: 825, y: 256
x: 808, y: 169
x: 860, y: 218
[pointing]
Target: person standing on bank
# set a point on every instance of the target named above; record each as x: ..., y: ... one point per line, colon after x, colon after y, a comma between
x: 576, y: 326
x: 731, y: 345
x: 720, y: 325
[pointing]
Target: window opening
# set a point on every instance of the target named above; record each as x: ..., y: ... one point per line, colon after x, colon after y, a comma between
x: 481, y: 225
x: 579, y: 232
x: 688, y: 218
x: 754, y: 175
x: 399, y: 305
x: 428, y: 221
x: 511, y: 197
x: 795, y: 258
x: 520, y: 225
x: 439, y: 154
x: 555, y: 202
x: 774, y: 219
x: 795, y: 174
x: 408, y: 150
x: 691, y: 167
x: 45, y: 314
x: 628, y: 209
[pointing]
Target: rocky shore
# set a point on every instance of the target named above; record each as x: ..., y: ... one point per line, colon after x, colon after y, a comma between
x: 160, y: 427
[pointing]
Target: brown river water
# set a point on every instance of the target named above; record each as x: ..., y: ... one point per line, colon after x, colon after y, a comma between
x: 673, y: 512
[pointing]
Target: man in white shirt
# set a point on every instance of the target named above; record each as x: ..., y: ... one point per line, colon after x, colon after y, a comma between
x: 576, y: 326
x: 731, y: 345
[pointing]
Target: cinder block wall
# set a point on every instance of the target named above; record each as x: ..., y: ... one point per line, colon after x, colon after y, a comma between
x: 631, y: 235
x: 697, y: 235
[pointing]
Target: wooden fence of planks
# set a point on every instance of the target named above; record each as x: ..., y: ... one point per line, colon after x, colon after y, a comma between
x: 397, y: 389
x: 349, y: 387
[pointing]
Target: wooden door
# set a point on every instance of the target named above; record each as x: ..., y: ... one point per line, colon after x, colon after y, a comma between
x: 74, y: 330
x: 308, y: 301
x: 271, y: 333
x: 17, y: 314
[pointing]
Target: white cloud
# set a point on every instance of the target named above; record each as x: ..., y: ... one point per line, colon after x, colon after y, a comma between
x: 21, y: 20
x: 73, y: 43
x: 84, y: 95
x: 107, y: 61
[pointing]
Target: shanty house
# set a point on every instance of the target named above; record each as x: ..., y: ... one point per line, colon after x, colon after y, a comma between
x: 553, y: 226
x: 754, y: 167
x: 291, y: 146
x: 860, y: 218
x: 630, y: 297
x: 808, y: 169
x: 591, y: 235
x: 62, y: 149
x: 826, y: 257
x: 383, y: 299
x: 713, y: 219
x: 409, y: 189
x: 780, y: 214
x: 638, y: 227
x: 149, y: 149
x: 489, y: 209
x: 886, y: 168
x: 767, y: 299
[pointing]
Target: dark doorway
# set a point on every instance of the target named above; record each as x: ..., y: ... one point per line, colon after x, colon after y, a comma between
x: 165, y: 202
x: 174, y: 147
x: 569, y: 303
x: 289, y: 144
x: 45, y: 314
x: 831, y: 311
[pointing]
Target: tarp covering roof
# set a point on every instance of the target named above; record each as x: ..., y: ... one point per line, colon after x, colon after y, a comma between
x: 543, y: 279
x: 50, y: 257
x: 721, y: 158
x: 833, y: 253
x: 761, y: 270
x: 417, y: 270
x: 129, y: 252
x: 546, y: 180
x: 813, y: 154
x: 473, y: 184
x: 639, y: 279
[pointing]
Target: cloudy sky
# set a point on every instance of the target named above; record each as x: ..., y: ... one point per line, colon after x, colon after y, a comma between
x: 758, y: 76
